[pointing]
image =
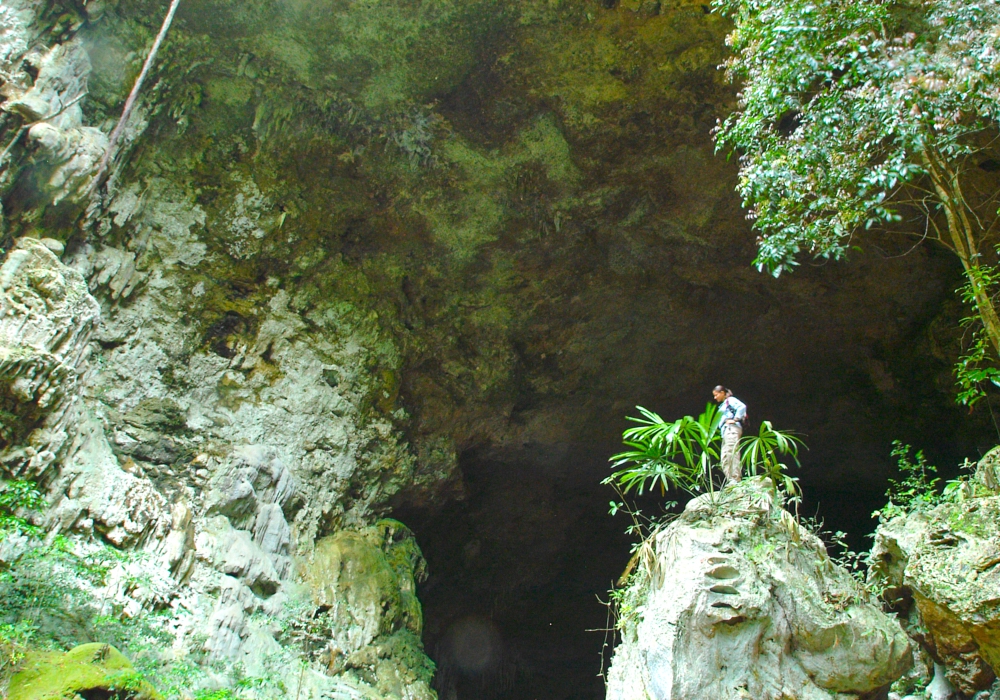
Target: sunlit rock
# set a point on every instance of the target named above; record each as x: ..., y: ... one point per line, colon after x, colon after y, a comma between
x: 46, y: 318
x: 943, y: 571
x: 735, y: 600
x: 88, y: 671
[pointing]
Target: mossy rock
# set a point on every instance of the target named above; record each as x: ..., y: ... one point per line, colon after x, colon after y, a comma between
x: 89, y: 670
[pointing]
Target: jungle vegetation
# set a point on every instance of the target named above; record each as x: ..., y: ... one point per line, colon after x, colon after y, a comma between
x: 874, y: 115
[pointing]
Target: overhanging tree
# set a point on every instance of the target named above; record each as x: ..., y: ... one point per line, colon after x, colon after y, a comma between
x: 852, y: 112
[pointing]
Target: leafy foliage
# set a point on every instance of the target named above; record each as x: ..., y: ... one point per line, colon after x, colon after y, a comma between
x: 16, y: 633
x: 973, y: 371
x: 974, y: 368
x: 667, y: 454
x: 16, y: 497
x: 841, y: 100
x: 14, y: 640
x: 852, y: 110
x: 681, y: 454
x: 917, y: 488
x: 761, y: 455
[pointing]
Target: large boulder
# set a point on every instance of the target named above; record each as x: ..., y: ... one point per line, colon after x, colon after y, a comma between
x: 363, y: 585
x: 735, y: 600
x: 942, y: 569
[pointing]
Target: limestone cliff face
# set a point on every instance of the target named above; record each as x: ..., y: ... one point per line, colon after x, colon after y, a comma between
x: 941, y: 566
x: 46, y: 319
x: 340, y: 243
x: 734, y: 600
x: 219, y: 551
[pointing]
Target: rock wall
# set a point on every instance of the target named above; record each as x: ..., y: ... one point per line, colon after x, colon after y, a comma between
x: 224, y: 464
x: 941, y: 569
x: 735, y: 600
x: 214, y: 525
x: 221, y: 435
x: 46, y: 318
x: 339, y: 244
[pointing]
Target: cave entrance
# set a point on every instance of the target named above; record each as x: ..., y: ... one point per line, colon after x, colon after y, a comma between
x: 519, y: 568
x: 517, y: 573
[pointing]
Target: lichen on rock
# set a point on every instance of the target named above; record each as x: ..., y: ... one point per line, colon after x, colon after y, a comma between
x: 735, y: 600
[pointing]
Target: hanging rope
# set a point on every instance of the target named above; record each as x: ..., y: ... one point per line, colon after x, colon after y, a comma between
x: 130, y: 102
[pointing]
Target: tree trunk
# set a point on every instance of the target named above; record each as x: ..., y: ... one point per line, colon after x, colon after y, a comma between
x: 963, y: 240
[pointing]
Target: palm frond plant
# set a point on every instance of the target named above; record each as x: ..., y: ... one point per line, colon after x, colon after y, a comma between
x: 681, y: 454
x: 667, y: 454
x: 762, y: 454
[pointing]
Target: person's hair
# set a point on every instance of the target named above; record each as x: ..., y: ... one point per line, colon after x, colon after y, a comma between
x: 723, y: 389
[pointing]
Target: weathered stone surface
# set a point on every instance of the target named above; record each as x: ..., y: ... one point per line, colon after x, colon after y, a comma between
x: 93, y: 492
x: 234, y: 553
x: 46, y: 317
x: 365, y: 584
x: 68, y: 153
x: 988, y: 471
x: 734, y: 600
x: 943, y: 569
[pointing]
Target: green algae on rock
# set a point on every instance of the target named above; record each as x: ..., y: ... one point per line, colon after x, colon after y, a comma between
x: 364, y: 584
x: 89, y: 670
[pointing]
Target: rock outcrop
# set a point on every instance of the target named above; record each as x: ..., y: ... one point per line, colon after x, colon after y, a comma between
x: 364, y: 587
x: 734, y: 600
x: 942, y: 569
x: 46, y: 318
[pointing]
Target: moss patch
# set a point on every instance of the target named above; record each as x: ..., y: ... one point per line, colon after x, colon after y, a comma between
x: 89, y: 670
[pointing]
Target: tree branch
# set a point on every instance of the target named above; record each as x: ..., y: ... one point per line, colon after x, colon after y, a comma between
x: 130, y: 102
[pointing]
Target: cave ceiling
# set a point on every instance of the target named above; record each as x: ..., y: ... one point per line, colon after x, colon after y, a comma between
x: 522, y: 201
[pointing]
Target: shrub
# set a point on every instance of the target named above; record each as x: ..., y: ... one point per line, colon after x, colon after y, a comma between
x: 681, y: 454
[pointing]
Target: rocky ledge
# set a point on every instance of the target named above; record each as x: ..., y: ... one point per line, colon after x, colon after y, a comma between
x: 735, y: 600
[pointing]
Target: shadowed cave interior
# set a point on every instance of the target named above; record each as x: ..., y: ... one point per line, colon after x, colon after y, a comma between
x: 518, y: 567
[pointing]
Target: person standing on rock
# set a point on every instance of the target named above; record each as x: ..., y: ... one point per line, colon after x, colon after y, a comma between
x: 733, y: 414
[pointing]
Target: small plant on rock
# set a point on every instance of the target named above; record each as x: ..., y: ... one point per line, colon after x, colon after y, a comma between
x: 917, y: 489
x: 16, y: 497
x: 761, y: 454
x: 665, y: 455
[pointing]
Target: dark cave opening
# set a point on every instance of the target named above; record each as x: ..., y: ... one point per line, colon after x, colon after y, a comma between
x: 515, y: 572
x: 518, y: 570
x: 519, y: 567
